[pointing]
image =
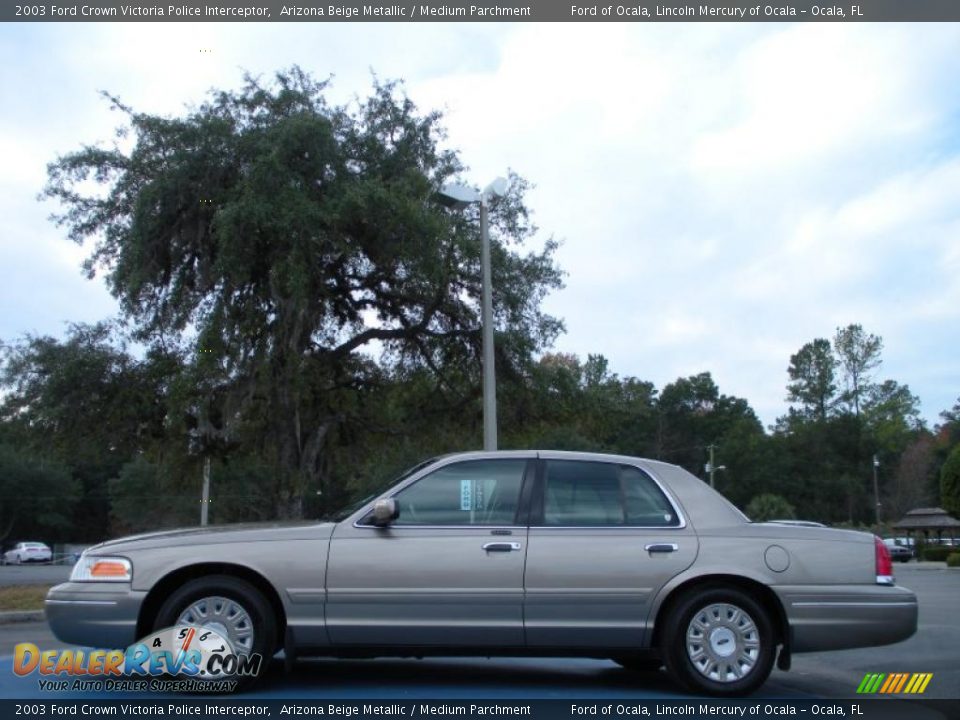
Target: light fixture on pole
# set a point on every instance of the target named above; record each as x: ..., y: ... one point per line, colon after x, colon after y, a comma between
x: 458, y: 197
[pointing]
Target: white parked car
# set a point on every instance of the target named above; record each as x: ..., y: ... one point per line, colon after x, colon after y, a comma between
x: 24, y: 552
x: 898, y: 550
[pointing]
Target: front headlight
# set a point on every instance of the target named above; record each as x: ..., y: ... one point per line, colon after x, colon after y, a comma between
x: 102, y: 569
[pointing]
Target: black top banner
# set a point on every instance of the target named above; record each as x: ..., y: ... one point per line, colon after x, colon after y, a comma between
x: 479, y: 11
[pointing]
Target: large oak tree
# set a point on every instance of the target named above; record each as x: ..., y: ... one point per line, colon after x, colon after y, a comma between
x: 281, y: 236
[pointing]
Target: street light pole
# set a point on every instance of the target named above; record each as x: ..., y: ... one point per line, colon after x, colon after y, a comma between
x: 489, y: 371
x: 458, y: 197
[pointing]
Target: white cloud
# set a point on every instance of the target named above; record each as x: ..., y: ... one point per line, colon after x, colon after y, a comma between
x: 724, y: 193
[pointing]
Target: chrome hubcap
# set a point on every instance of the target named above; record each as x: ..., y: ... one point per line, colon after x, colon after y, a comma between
x: 224, y: 616
x: 723, y: 642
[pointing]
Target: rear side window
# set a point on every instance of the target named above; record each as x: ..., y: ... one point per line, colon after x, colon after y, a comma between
x: 603, y: 494
x: 479, y: 492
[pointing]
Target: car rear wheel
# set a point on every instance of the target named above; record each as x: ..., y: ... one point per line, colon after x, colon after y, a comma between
x: 719, y: 641
x: 230, y: 606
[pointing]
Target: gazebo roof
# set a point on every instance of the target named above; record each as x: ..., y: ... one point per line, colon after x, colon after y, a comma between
x: 928, y: 519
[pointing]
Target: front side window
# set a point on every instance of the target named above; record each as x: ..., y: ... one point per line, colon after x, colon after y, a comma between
x: 596, y: 493
x: 477, y: 492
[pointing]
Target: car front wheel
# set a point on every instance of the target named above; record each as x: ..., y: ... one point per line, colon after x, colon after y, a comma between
x: 233, y: 608
x: 719, y: 641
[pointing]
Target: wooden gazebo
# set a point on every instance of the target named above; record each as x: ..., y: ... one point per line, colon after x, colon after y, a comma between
x: 929, y: 521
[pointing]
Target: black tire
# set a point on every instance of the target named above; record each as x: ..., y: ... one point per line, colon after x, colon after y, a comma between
x: 639, y: 664
x: 718, y: 640
x: 261, y: 616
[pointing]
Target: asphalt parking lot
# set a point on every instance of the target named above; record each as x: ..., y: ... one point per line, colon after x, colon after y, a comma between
x: 33, y: 574
x: 825, y: 675
x: 934, y: 647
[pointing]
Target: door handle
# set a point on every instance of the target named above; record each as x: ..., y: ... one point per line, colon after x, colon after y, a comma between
x: 501, y: 546
x: 661, y: 547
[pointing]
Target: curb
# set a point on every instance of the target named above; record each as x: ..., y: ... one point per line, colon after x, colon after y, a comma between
x: 922, y: 565
x: 21, y: 616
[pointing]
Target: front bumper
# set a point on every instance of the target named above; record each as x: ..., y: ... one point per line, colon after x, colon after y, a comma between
x: 832, y: 618
x: 101, y: 615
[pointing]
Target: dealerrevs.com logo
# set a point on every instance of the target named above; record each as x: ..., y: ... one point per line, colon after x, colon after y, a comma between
x: 181, y: 658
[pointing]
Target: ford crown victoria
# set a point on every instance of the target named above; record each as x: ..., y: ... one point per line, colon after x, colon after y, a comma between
x: 509, y: 553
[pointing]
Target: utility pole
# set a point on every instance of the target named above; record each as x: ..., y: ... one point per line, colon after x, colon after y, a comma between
x: 876, y: 488
x: 711, y: 468
x: 710, y: 465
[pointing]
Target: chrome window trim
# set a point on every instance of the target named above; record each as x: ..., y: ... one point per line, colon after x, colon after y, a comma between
x: 358, y: 524
x: 441, y: 462
x: 429, y: 470
x: 450, y: 460
x: 656, y: 481
x: 674, y: 503
x: 607, y: 527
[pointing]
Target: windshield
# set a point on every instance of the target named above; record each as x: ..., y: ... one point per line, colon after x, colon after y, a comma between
x: 345, y: 512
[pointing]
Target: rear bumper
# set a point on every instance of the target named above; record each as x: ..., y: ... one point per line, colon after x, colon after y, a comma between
x: 101, y: 615
x: 832, y: 618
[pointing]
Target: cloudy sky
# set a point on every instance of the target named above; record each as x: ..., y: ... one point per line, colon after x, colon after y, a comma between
x: 724, y: 193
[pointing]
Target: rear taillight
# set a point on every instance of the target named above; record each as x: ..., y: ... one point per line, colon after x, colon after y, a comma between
x: 883, y: 562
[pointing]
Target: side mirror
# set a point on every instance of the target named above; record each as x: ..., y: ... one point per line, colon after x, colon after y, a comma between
x: 385, y: 511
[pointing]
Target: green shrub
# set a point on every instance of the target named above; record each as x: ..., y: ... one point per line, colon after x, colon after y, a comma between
x: 768, y: 506
x: 950, y: 482
x: 953, y: 559
x: 937, y: 553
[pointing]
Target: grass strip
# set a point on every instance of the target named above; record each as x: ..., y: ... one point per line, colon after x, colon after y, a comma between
x: 22, y: 597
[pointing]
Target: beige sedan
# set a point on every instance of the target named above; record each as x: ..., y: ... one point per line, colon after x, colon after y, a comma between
x: 509, y: 553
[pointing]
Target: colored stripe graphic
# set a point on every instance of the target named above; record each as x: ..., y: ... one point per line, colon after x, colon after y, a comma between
x: 894, y: 683
x: 903, y: 681
x: 870, y: 683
